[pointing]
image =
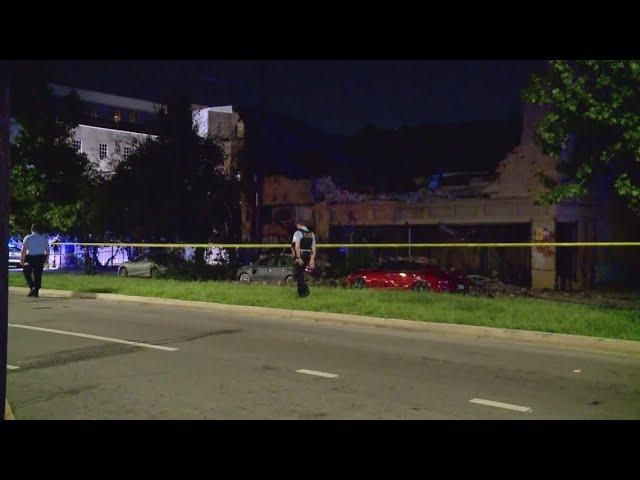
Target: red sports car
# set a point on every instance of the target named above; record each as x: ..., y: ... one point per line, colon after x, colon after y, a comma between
x: 409, y: 275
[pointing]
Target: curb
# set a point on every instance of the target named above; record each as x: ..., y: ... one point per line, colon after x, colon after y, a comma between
x: 562, y: 340
x: 8, y: 414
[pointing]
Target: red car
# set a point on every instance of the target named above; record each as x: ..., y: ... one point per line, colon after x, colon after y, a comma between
x: 409, y: 275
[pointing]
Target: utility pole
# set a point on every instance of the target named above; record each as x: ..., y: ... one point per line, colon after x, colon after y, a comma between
x: 260, y: 163
x: 5, y: 133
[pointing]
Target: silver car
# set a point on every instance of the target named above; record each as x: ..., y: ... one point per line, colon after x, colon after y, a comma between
x: 141, y: 266
x: 272, y: 268
x: 14, y: 257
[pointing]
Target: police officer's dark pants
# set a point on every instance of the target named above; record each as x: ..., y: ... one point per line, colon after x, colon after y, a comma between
x: 298, y: 273
x: 32, y: 270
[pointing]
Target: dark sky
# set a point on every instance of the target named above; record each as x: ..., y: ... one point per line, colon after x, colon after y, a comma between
x: 335, y: 96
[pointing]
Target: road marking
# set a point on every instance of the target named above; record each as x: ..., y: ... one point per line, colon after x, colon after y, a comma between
x: 12, y: 367
x: 319, y: 374
x: 508, y: 406
x: 95, y: 337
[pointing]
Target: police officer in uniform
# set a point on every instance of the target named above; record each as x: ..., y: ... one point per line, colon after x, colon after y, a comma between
x: 35, y: 251
x: 304, y: 254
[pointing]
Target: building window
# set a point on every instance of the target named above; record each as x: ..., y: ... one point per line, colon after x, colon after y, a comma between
x: 77, y: 144
x: 117, y: 115
x: 133, y: 117
x: 94, y: 111
x: 127, y: 151
x: 103, y: 151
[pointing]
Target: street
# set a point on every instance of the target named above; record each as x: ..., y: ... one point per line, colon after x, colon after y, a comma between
x: 91, y: 359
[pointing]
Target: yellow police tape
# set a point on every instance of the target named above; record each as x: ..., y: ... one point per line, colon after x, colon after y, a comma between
x: 356, y: 245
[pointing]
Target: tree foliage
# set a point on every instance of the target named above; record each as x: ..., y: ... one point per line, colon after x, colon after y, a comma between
x: 594, y: 104
x: 50, y: 181
x: 171, y: 188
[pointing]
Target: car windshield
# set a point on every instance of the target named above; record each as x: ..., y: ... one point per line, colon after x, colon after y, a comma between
x: 286, y: 261
x: 268, y: 262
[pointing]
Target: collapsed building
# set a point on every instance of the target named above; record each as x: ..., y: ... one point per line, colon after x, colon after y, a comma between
x: 494, y: 206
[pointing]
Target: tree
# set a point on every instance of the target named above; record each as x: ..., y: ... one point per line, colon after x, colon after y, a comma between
x: 51, y: 181
x: 595, y: 105
x: 172, y: 187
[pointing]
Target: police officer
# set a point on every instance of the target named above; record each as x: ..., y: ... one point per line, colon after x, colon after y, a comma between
x: 304, y: 254
x: 35, y: 250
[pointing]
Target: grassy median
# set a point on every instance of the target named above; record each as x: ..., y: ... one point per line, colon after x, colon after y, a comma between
x: 516, y: 313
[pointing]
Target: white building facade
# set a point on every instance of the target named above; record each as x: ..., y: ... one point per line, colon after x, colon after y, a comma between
x: 113, y: 126
x: 106, y: 147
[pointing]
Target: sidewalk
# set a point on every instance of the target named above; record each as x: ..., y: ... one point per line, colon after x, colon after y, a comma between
x: 8, y: 414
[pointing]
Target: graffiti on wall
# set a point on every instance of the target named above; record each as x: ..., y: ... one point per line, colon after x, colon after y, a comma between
x: 543, y: 258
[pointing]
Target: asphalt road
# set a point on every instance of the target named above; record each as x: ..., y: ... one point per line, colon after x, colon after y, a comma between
x: 192, y: 364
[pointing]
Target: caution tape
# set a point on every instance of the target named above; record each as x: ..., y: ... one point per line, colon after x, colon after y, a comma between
x: 356, y: 245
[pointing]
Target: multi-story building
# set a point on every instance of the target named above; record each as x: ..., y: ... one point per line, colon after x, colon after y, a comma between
x: 113, y: 126
x: 224, y: 126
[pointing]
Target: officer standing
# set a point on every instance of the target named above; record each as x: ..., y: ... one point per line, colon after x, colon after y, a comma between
x: 304, y: 254
x: 35, y: 250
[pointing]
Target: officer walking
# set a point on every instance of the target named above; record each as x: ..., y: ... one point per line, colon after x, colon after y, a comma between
x: 35, y: 250
x: 304, y: 254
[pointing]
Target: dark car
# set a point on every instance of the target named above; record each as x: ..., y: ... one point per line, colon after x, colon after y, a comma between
x: 409, y: 276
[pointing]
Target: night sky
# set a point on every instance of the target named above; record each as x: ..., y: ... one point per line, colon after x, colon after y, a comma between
x: 334, y: 96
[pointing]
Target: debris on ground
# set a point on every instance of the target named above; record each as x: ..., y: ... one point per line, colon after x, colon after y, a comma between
x: 492, y: 287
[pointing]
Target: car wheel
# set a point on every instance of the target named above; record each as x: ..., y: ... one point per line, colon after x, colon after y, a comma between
x: 289, y: 281
x: 154, y: 273
x: 123, y: 272
x: 244, y: 277
x: 359, y: 283
x: 421, y: 286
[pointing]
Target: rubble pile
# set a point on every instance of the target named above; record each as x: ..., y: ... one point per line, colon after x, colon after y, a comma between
x: 324, y: 189
x: 493, y: 287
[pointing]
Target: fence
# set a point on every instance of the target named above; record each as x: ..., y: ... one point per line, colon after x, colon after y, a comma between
x: 535, y: 264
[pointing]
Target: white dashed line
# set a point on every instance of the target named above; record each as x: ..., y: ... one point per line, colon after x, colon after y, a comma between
x: 319, y: 374
x: 508, y: 406
x: 12, y: 367
x: 95, y: 337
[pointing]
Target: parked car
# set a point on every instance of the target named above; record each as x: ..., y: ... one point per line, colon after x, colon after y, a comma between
x: 144, y: 265
x: 409, y: 275
x: 14, y: 257
x: 279, y: 267
x: 270, y: 268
